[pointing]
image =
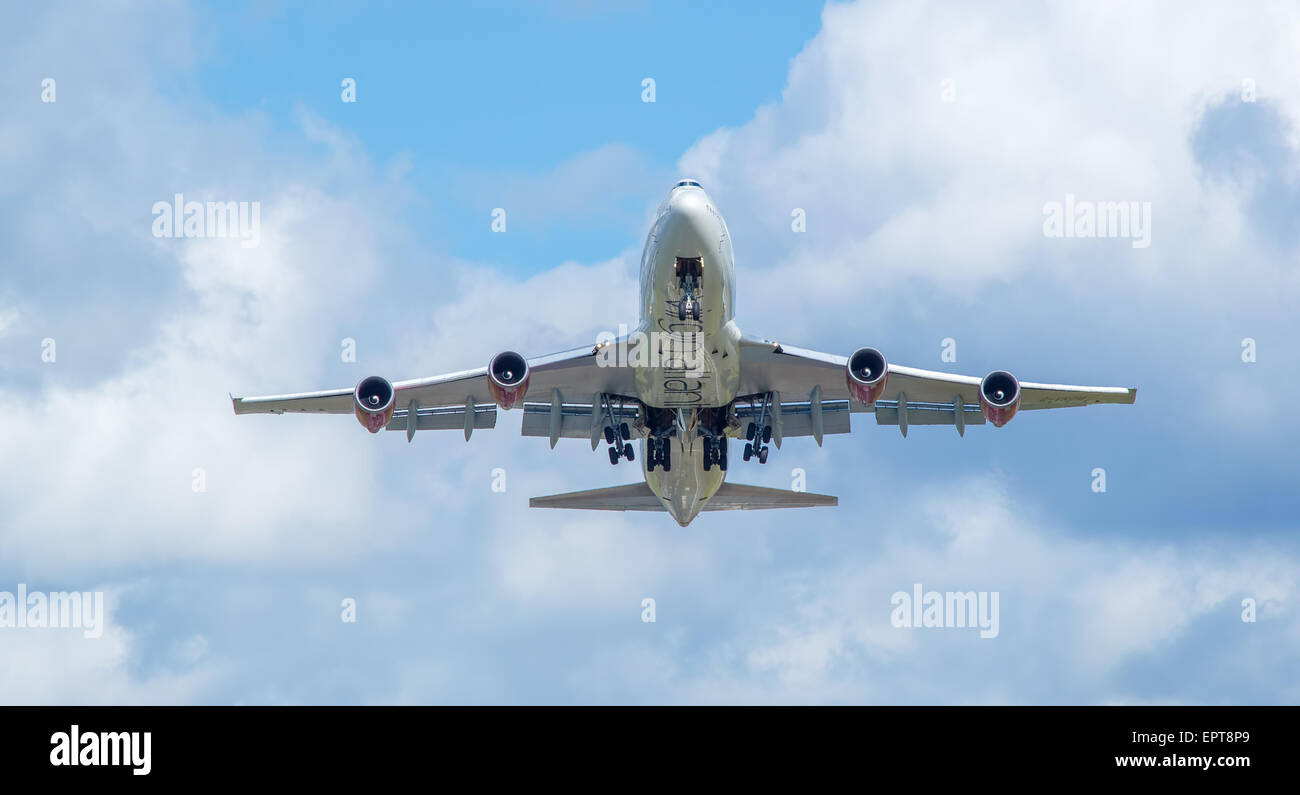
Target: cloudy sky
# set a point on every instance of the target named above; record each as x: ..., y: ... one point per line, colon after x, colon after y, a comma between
x: 921, y: 140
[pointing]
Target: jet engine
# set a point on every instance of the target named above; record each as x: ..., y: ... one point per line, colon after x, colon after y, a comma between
x: 866, y: 374
x: 999, y: 397
x: 508, y: 379
x: 374, y: 399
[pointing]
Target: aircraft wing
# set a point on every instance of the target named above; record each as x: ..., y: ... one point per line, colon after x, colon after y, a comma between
x: 463, y: 400
x: 910, y: 395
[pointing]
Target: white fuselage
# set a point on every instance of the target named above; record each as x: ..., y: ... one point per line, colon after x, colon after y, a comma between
x: 688, y: 226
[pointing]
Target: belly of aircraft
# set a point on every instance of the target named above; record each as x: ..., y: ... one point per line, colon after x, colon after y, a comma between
x: 692, y: 363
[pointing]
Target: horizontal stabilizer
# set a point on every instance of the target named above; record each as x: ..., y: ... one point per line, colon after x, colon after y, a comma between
x: 632, y: 497
x: 639, y: 497
x: 742, y: 497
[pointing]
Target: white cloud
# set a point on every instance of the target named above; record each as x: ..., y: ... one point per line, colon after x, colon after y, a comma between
x: 63, y: 666
x: 463, y: 591
x: 901, y: 187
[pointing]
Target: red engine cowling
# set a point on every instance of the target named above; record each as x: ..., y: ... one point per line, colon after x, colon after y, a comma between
x: 999, y: 397
x: 866, y: 374
x: 508, y: 379
x: 374, y: 399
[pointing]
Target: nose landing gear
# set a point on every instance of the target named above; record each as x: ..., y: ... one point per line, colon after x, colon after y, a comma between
x: 690, y: 273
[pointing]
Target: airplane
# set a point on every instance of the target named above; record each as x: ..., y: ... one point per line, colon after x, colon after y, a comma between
x: 685, y: 383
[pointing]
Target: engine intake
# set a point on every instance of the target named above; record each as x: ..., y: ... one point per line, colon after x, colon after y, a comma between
x: 508, y: 379
x: 866, y: 374
x: 374, y: 399
x: 999, y: 397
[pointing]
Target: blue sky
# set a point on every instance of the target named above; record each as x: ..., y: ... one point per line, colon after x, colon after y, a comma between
x: 924, y: 222
x: 474, y: 96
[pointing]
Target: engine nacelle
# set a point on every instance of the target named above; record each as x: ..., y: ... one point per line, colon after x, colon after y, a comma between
x: 866, y: 374
x: 374, y: 400
x: 999, y: 397
x: 508, y: 379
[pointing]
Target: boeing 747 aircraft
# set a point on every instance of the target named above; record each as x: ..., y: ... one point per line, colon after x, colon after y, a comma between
x: 684, y: 384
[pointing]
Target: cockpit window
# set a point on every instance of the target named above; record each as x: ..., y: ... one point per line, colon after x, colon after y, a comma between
x: 688, y: 183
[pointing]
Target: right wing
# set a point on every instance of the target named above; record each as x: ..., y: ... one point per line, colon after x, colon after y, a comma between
x: 771, y: 366
x: 812, y: 396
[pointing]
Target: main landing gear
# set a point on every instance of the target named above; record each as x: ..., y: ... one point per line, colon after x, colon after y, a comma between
x: 616, y: 435
x: 690, y: 272
x: 659, y: 453
x: 759, y: 433
x: 711, y: 426
x: 663, y: 426
x: 715, y: 453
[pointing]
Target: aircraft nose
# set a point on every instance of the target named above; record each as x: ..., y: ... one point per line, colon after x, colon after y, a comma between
x: 689, y: 222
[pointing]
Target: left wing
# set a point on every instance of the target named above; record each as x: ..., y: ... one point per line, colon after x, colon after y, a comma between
x: 464, y: 400
x: 909, y: 395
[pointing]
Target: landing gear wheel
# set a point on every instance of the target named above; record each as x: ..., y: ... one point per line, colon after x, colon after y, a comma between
x: 622, y: 429
x: 722, y: 456
x: 767, y: 434
x: 762, y: 456
x: 609, y: 435
x: 666, y: 460
x: 681, y: 309
x: 613, y: 455
x: 749, y: 450
x: 695, y: 310
x: 627, y: 452
x: 749, y: 431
